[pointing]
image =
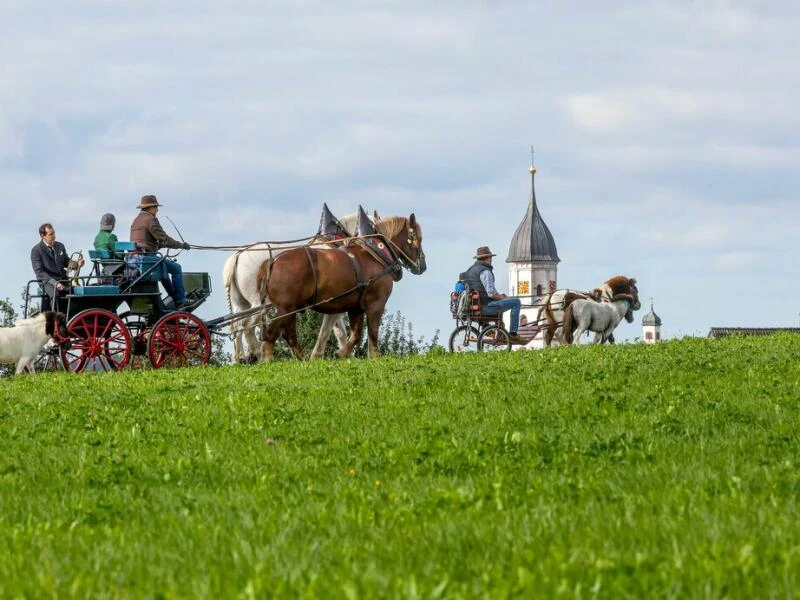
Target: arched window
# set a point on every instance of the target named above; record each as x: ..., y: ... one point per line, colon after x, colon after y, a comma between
x: 539, y: 289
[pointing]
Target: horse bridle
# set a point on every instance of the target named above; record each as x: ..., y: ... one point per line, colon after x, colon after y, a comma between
x: 414, y: 243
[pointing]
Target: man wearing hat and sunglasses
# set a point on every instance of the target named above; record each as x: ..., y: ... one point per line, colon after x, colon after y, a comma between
x: 479, y: 277
x: 149, y: 236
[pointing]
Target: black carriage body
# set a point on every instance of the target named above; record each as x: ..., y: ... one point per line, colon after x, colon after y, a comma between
x: 117, y: 314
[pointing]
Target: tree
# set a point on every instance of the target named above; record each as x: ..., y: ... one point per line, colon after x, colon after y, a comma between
x: 7, y: 313
x: 218, y: 354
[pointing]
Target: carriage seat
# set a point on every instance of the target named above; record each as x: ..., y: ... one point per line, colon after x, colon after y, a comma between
x: 468, y: 302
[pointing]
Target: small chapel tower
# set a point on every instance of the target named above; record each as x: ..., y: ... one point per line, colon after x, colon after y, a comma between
x: 532, y: 256
x: 651, y: 326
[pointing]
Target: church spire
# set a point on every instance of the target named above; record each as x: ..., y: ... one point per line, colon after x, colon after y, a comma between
x: 532, y: 240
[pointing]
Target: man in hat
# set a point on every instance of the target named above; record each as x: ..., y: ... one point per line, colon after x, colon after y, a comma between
x: 149, y: 236
x: 479, y: 277
x: 50, y: 262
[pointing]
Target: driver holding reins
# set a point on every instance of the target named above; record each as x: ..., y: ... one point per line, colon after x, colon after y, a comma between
x: 149, y: 236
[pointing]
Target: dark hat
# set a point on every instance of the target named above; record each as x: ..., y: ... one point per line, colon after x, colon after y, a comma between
x: 107, y: 222
x: 148, y: 201
x: 483, y: 252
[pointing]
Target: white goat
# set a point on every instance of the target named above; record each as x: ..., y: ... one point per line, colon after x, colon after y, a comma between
x: 21, y: 343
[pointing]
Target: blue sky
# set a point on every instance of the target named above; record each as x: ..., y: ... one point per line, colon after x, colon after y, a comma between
x: 666, y: 136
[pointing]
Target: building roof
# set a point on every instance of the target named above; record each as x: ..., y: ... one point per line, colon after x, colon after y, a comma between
x: 651, y: 318
x: 720, y: 332
x: 532, y: 241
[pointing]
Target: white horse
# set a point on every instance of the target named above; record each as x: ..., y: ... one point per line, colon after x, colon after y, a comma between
x: 21, y: 343
x: 599, y: 317
x: 240, y: 275
x: 555, y: 303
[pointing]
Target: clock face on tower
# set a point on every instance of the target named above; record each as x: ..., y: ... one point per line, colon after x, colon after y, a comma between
x: 524, y: 288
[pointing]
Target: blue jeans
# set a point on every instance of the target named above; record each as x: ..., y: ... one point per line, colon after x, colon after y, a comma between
x: 175, y: 287
x: 504, y: 305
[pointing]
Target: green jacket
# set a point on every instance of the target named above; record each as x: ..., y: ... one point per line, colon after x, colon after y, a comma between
x: 105, y: 240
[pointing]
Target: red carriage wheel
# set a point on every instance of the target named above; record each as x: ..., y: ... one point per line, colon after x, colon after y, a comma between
x: 99, y: 342
x: 179, y: 339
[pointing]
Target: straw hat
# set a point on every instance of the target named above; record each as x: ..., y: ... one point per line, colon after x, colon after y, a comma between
x: 149, y: 201
x: 483, y: 252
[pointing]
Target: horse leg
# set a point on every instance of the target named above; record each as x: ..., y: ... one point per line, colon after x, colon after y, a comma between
x: 269, y: 334
x: 290, y: 335
x: 373, y: 324
x: 323, y: 335
x: 356, y: 325
x: 340, y: 330
x: 236, y: 338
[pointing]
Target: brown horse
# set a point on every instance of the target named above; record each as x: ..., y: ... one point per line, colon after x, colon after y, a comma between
x: 356, y: 279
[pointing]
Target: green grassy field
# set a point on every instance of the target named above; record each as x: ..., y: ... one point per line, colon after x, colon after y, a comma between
x: 619, y: 472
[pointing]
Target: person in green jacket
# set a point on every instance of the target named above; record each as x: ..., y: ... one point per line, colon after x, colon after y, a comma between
x: 105, y: 239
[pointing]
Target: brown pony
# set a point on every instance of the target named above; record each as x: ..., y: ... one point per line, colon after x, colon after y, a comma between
x: 356, y: 279
x: 555, y: 303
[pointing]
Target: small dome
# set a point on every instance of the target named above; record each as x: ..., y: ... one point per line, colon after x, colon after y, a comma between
x: 651, y: 318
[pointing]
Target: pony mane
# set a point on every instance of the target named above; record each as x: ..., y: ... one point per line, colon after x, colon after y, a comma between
x: 619, y: 284
x: 36, y: 320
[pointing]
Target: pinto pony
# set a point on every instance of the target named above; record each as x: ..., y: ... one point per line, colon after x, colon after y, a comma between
x: 601, y: 317
x: 555, y: 303
x: 21, y: 343
x: 240, y: 275
x: 357, y: 279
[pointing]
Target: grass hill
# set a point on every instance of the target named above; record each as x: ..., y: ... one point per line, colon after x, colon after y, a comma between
x: 628, y: 471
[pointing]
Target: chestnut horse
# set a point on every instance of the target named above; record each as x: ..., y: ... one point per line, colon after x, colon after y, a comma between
x: 240, y: 276
x: 555, y: 303
x: 356, y: 279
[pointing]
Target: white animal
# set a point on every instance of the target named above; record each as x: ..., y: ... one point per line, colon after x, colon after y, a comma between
x: 600, y: 317
x: 21, y: 343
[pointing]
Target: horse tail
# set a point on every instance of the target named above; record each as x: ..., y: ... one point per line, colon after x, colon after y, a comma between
x: 229, y: 278
x: 567, y: 330
x: 548, y: 309
x: 262, y: 279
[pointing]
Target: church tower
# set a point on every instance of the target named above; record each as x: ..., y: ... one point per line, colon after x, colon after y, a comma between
x: 651, y: 326
x: 532, y: 256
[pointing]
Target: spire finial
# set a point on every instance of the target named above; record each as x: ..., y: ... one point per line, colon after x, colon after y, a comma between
x: 533, y: 168
x: 651, y: 303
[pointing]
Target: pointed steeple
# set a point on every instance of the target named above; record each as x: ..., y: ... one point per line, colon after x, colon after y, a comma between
x: 532, y: 241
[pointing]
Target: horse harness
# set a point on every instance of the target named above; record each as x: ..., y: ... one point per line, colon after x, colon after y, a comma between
x: 377, y: 248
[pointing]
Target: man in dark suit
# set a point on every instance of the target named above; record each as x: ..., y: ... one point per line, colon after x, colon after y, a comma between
x: 50, y: 262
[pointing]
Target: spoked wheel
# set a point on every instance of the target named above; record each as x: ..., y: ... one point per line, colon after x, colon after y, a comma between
x: 137, y: 327
x: 494, y: 339
x: 179, y: 339
x: 464, y: 339
x: 47, y: 360
x: 99, y: 342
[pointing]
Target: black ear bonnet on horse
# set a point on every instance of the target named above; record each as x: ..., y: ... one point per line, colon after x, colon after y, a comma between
x: 364, y: 226
x: 330, y: 227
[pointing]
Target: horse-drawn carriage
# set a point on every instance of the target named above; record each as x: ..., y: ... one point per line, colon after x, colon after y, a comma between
x: 481, y: 329
x: 477, y: 329
x: 117, y: 317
